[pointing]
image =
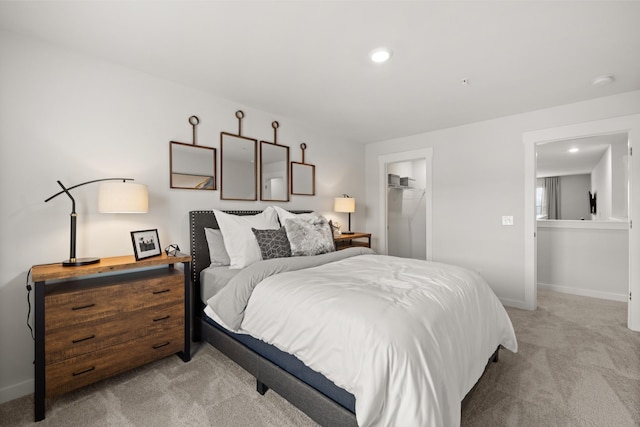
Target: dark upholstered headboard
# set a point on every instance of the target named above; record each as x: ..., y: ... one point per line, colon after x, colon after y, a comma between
x: 200, y: 259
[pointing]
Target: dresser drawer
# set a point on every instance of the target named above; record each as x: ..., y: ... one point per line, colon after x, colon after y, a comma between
x: 155, y: 292
x: 75, y: 307
x: 82, y: 370
x: 76, y: 304
x: 75, y: 340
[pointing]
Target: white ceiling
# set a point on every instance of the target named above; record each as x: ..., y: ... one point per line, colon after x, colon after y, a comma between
x: 307, y: 60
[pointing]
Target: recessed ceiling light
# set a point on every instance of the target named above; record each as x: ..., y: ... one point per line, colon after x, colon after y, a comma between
x: 602, y: 80
x: 381, y: 54
x: 574, y: 150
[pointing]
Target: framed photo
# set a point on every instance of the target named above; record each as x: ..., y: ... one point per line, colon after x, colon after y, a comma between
x: 145, y: 243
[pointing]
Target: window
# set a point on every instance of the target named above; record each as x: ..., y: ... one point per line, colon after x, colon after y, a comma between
x: 540, y: 214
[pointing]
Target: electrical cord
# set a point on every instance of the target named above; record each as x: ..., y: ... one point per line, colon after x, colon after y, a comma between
x: 29, y: 305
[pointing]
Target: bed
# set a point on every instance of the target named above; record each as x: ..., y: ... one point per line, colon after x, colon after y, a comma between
x: 307, y: 362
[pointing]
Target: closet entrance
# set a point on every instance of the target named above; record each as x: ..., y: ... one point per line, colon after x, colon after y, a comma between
x: 405, y: 186
x: 406, y: 209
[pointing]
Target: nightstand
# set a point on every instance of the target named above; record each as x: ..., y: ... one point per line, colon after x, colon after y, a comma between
x: 95, y: 321
x: 352, y: 240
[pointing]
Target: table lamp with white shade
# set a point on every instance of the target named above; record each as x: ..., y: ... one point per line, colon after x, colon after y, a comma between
x: 345, y: 204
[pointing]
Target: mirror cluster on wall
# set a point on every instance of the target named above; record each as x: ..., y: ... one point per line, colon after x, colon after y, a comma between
x: 583, y: 179
x: 194, y: 167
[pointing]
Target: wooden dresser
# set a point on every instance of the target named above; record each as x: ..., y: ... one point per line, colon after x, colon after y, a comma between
x: 98, y: 320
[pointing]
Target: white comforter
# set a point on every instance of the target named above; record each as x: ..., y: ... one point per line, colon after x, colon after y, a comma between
x: 407, y: 338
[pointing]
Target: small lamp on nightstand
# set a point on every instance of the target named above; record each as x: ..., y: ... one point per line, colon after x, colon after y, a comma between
x: 345, y: 204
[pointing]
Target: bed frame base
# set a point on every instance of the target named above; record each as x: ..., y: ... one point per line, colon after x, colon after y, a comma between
x: 261, y: 387
x: 316, y: 405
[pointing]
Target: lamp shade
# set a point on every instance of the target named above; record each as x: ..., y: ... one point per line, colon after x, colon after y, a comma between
x: 344, y: 204
x: 123, y: 197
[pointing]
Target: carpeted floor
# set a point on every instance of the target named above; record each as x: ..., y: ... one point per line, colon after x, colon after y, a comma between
x: 578, y: 365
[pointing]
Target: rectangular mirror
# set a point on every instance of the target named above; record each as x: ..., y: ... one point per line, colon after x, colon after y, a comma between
x: 274, y: 172
x: 303, y: 179
x: 238, y: 167
x: 192, y: 166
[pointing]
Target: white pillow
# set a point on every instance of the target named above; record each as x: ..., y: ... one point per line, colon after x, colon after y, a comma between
x: 239, y: 240
x: 217, y: 251
x: 283, y: 214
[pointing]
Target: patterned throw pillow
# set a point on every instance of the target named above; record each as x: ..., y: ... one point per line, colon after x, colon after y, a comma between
x: 309, y: 235
x: 273, y: 243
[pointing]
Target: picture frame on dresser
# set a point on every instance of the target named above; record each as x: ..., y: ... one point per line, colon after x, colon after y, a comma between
x: 146, y: 243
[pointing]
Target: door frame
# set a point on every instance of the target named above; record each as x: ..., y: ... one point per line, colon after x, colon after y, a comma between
x: 629, y: 124
x: 404, y: 156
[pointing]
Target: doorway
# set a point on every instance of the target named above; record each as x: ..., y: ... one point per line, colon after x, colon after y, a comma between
x: 406, y: 204
x: 582, y: 216
x: 628, y: 124
x: 406, y: 209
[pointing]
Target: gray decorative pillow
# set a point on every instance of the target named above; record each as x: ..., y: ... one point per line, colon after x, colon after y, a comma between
x: 309, y: 235
x: 217, y: 250
x: 273, y: 243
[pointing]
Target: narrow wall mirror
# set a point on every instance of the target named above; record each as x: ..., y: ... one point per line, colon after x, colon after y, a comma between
x: 303, y: 179
x: 192, y: 167
x: 238, y: 167
x: 303, y: 176
x: 274, y: 172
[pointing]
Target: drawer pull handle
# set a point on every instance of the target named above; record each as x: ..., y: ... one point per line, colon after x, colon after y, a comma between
x: 161, y: 318
x: 161, y: 292
x: 82, y: 307
x: 90, y: 337
x: 75, y: 374
x: 157, y: 346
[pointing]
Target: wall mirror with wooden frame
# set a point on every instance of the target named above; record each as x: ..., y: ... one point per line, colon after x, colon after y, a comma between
x: 303, y: 179
x: 192, y: 167
x: 274, y: 172
x: 303, y: 176
x: 238, y: 167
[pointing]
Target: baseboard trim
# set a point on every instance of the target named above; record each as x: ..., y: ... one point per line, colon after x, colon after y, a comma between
x: 16, y: 390
x: 584, y: 292
x: 513, y: 303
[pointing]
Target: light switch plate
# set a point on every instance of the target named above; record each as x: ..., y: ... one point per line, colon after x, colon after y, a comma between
x: 507, y: 220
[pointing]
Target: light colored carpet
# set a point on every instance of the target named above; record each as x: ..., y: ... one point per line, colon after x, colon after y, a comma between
x: 578, y: 365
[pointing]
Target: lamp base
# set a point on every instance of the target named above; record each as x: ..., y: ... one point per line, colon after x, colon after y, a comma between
x: 80, y: 261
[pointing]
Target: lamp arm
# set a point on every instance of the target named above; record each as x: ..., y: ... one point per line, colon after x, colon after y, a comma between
x: 65, y: 190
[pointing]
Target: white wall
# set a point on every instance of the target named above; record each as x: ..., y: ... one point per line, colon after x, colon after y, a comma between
x: 584, y: 258
x: 74, y: 118
x: 478, y: 176
x: 574, y: 197
x: 601, y: 176
x: 619, y: 181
